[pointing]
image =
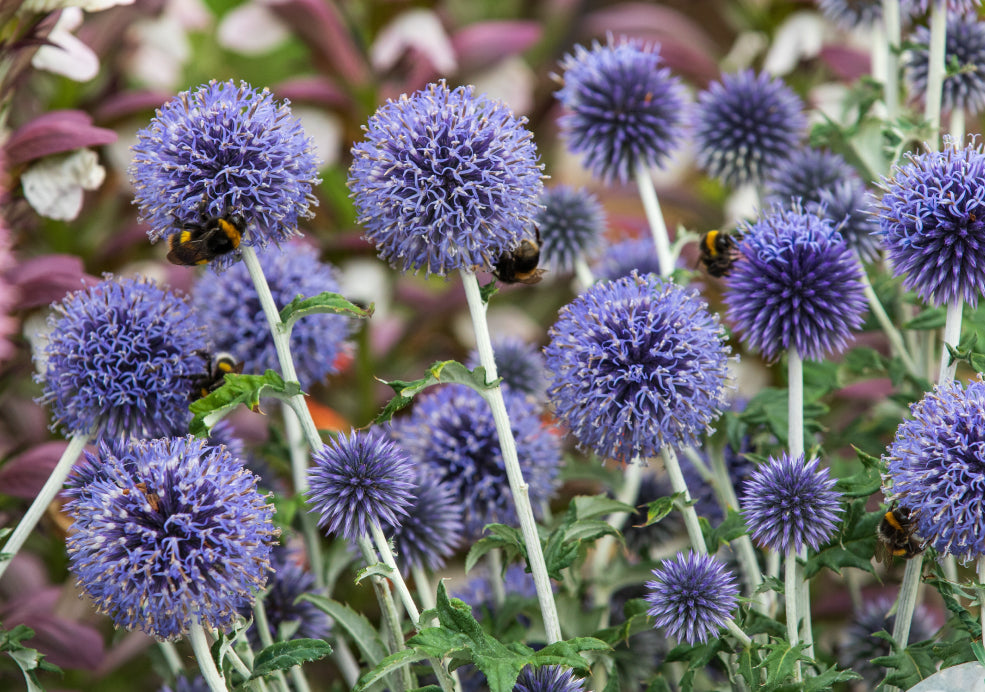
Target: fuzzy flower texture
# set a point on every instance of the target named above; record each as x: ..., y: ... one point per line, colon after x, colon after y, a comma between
x: 636, y: 364
x: 120, y: 360
x: 932, y: 221
x: 936, y: 468
x: 224, y: 149
x: 796, y: 285
x: 168, y: 533
x: 964, y: 88
x: 692, y: 596
x: 445, y: 180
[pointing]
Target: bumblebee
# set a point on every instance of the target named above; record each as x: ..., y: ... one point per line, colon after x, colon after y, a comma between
x: 519, y: 266
x: 897, y: 535
x: 200, y: 243
x: 216, y: 369
x: 718, y: 252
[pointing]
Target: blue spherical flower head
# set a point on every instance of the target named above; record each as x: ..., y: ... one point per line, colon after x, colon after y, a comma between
x: 851, y: 14
x: 788, y: 503
x: 228, y: 303
x: 805, y: 175
x: 636, y: 364
x: 168, y: 534
x: 519, y: 363
x: 795, y: 285
x: 120, y: 360
x: 917, y: 7
x: 357, y: 481
x: 623, y: 108
x: 964, y: 87
x: 692, y: 597
x: 432, y: 529
x: 623, y: 258
x: 450, y: 434
x: 219, y: 150
x: 936, y: 468
x: 846, y: 205
x: 570, y: 224
x: 445, y: 180
x: 547, y: 679
x: 746, y: 126
x: 932, y: 222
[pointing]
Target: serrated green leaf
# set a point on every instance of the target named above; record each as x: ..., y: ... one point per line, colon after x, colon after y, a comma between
x: 323, y: 303
x: 356, y: 625
x: 238, y: 389
x: 388, y: 665
x: 853, y: 546
x: 827, y: 678
x: 503, y: 537
x: 733, y: 526
x: 286, y: 655
x: 864, y: 483
x: 781, y: 661
x: 487, y: 291
x: 928, y: 319
x: 592, y: 506
x: 376, y: 570
x: 441, y: 372
x: 660, y: 508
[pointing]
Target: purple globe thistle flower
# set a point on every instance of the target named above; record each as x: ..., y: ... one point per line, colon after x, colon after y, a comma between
x: 846, y: 205
x: 964, y: 89
x: 120, y: 359
x: 795, y: 285
x: 805, y: 175
x: 547, y: 679
x: 626, y: 256
x: 184, y: 683
x: 571, y: 224
x: 692, y: 597
x: 918, y: 7
x: 851, y: 14
x: 451, y: 436
x: 932, y: 223
x: 445, y: 180
x: 224, y: 149
x: 228, y: 303
x: 520, y: 364
x: 636, y: 364
x: 936, y: 467
x: 168, y: 534
x: 285, y: 612
x: 746, y: 126
x: 789, y: 503
x: 624, y: 108
x: 432, y: 529
x: 359, y: 480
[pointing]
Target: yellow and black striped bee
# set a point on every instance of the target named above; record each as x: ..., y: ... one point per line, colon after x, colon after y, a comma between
x: 519, y: 266
x: 718, y: 252
x: 200, y: 243
x: 216, y: 369
x: 897, y: 535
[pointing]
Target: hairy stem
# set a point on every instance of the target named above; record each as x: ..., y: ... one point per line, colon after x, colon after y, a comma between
x: 655, y: 217
x: 200, y: 645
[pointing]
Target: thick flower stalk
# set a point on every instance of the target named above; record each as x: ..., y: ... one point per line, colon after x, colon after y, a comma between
x: 220, y: 150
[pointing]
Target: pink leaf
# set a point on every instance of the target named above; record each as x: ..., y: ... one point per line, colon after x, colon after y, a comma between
x: 55, y: 133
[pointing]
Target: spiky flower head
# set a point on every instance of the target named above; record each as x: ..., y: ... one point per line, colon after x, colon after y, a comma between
x: 623, y: 258
x: 519, y: 363
x: 788, y: 503
x: 358, y: 480
x: 846, y: 205
x: 692, y: 596
x: 169, y: 533
x: 795, y: 285
x: 450, y: 434
x: 851, y: 14
x: 805, y: 175
x: 964, y: 53
x: 224, y: 149
x: 571, y: 224
x: 623, y: 107
x: 918, y: 7
x: 230, y: 306
x: 547, y: 679
x: 445, y: 180
x: 119, y: 360
x: 634, y: 365
x: 432, y: 529
x: 932, y: 222
x: 936, y: 468
x: 746, y: 126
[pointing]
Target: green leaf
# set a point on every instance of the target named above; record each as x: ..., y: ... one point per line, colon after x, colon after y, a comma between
x: 238, y: 389
x: 593, y: 506
x: 911, y: 665
x: 442, y: 372
x: 731, y: 528
x: 29, y: 660
x: 927, y: 320
x: 781, y: 661
x: 853, y: 546
x: 827, y: 678
x: 390, y: 664
x: 356, y: 625
x: 864, y: 483
x: 661, y: 507
x: 286, y: 655
x: 863, y: 361
x: 503, y: 537
x: 330, y: 303
x: 487, y: 291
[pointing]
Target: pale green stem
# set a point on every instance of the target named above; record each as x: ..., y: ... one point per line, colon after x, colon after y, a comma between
x: 892, y: 27
x: 424, y: 590
x: 627, y: 494
x: 345, y: 661
x: 171, y: 657
x: 795, y: 400
x: 48, y: 492
x: 907, y: 600
x: 262, y: 625
x: 679, y: 485
x: 952, y: 335
x: 957, y: 127
x: 790, y: 586
x: 773, y: 571
x: 736, y: 632
x: 935, y: 70
x: 583, y: 273
x: 981, y: 590
x: 950, y: 567
x: 200, y: 645
x: 655, y: 217
x: 518, y: 487
x: 893, y: 335
x: 804, y: 604
x: 300, y: 681
x: 495, y: 559
x: 240, y: 667
x: 294, y: 437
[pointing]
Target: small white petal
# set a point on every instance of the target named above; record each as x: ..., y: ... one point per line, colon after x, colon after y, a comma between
x: 251, y: 29
x: 87, y: 5
x: 68, y: 56
x: 799, y: 37
x: 325, y: 129
x: 510, y: 81
x: 54, y: 185
x: 420, y: 29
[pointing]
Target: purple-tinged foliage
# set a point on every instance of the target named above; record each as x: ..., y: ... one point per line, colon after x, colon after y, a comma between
x: 692, y: 596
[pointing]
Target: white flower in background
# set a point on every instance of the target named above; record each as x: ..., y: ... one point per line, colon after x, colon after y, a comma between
x: 511, y: 81
x: 325, y: 128
x: 799, y: 37
x: 162, y: 47
x: 54, y: 185
x: 86, y: 5
x: 415, y: 29
x: 67, y: 55
x: 252, y: 29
